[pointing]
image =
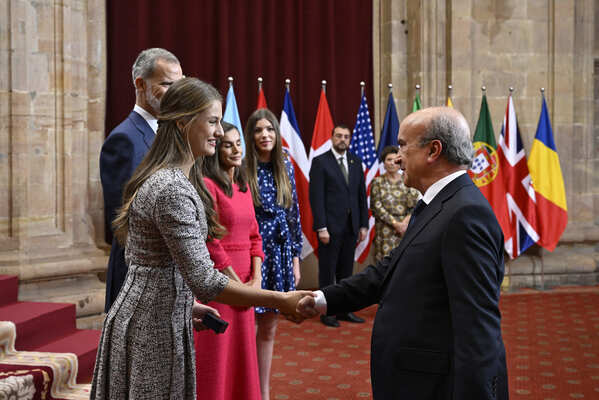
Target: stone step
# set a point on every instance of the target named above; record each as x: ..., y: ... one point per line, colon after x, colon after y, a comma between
x: 91, y: 322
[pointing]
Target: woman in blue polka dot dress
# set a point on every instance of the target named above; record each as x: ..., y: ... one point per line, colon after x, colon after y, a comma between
x: 272, y: 182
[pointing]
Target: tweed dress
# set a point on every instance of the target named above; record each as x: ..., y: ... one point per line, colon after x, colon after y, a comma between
x: 146, y: 350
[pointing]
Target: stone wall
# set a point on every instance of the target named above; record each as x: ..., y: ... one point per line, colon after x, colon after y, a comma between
x: 52, y: 84
x: 500, y: 44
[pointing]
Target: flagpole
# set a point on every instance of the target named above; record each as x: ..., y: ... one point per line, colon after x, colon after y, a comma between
x: 230, y: 79
x: 324, y: 86
x: 259, y: 83
x: 541, y: 250
x: 362, y: 84
x: 390, y: 86
x: 287, y: 84
x: 449, y: 90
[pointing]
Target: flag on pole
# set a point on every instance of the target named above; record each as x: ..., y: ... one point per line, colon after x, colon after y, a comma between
x: 261, y: 103
x: 449, y: 103
x: 232, y: 114
x: 292, y: 141
x: 417, y: 105
x: 520, y: 194
x: 362, y: 145
x: 389, y: 131
x: 323, y: 129
x: 546, y: 174
x: 485, y: 167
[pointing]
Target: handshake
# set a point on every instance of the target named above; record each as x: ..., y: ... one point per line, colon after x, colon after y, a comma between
x: 302, y: 305
x: 296, y: 306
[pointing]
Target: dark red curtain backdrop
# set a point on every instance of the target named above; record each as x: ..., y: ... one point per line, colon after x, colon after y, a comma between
x: 304, y: 40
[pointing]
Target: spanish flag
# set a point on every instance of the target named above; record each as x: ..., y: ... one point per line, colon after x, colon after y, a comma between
x: 546, y: 174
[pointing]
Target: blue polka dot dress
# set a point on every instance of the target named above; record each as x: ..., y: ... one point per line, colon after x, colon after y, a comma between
x: 281, y: 232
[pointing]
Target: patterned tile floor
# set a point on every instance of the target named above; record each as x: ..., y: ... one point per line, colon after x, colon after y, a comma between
x: 551, y: 338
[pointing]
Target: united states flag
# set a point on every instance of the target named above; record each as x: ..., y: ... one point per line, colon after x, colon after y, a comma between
x: 362, y: 145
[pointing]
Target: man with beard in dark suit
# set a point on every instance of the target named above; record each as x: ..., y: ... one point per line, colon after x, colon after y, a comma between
x: 340, y: 211
x: 437, y: 332
x: 153, y: 72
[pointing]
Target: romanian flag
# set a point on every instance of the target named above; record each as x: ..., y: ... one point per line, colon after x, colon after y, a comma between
x: 449, y: 102
x: 546, y: 174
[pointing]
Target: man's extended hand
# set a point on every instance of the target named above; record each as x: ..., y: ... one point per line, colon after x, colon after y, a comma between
x: 197, y: 313
x: 291, y: 309
x: 307, y: 307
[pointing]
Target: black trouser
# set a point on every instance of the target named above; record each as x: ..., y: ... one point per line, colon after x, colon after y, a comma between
x: 336, y: 259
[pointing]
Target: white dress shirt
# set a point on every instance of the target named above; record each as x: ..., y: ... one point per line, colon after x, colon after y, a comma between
x: 343, y: 158
x: 150, y: 119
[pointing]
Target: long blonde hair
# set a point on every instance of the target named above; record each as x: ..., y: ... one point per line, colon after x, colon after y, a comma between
x: 282, y: 182
x: 183, y: 101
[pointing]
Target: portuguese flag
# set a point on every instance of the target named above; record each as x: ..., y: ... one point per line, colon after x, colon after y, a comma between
x: 485, y: 171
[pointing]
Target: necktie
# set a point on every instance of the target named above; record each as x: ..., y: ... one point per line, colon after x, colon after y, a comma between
x: 417, y: 210
x: 343, y: 170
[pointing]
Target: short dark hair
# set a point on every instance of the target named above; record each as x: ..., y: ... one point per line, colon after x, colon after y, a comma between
x: 342, y: 126
x: 388, y: 150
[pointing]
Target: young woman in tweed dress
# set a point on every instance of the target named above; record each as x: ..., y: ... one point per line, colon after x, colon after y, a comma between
x: 146, y: 349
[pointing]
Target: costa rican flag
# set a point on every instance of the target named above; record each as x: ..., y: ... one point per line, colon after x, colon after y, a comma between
x: 292, y: 141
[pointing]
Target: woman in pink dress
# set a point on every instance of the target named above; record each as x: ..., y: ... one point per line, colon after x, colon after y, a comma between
x: 226, y: 364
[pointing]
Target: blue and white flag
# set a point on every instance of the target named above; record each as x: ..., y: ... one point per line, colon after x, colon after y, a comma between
x: 232, y: 115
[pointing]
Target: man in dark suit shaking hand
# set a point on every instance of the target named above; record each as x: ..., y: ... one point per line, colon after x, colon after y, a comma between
x: 153, y: 72
x: 340, y: 211
x: 437, y: 331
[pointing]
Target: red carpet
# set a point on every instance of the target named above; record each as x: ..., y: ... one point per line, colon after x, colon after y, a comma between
x: 551, y: 339
x: 48, y: 327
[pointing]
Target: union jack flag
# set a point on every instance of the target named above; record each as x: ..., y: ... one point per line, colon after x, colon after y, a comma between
x: 520, y: 194
x: 362, y: 145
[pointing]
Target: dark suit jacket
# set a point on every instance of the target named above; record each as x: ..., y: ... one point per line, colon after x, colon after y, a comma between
x: 121, y: 153
x: 437, y: 330
x: 331, y: 199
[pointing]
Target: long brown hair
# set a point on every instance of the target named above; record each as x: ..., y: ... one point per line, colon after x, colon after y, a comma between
x: 213, y: 169
x: 183, y: 101
x: 282, y: 182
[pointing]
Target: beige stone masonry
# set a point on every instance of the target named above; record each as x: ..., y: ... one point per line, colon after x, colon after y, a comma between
x: 52, y: 79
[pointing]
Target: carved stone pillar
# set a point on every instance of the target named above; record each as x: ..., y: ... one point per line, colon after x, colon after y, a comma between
x: 52, y: 80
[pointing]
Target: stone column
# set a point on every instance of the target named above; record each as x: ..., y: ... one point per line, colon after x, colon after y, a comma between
x: 52, y: 79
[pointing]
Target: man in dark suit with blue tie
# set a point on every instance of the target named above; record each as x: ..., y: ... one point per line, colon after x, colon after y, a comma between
x: 153, y: 72
x: 437, y: 331
x: 340, y: 211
